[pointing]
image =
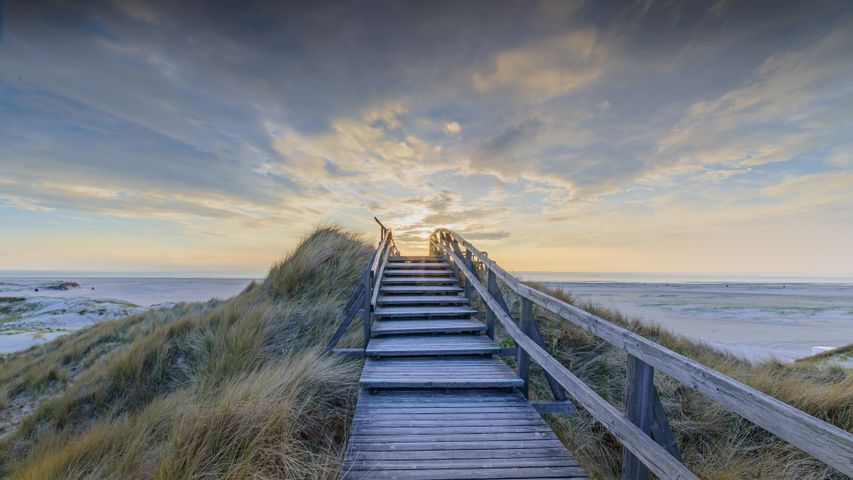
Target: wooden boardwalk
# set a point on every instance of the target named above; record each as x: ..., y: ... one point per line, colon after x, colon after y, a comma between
x: 436, y: 403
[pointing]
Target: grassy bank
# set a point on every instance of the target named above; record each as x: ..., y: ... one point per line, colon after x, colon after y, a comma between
x: 231, y: 389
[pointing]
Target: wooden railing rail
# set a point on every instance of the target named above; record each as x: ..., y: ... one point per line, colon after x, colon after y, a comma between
x: 644, y: 428
x: 364, y: 294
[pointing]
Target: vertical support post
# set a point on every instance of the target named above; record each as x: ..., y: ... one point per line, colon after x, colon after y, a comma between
x: 366, y: 305
x: 491, y: 318
x: 639, y: 398
x: 523, y: 357
x: 470, y: 265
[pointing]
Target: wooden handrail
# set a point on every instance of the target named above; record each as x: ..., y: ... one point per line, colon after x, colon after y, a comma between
x: 384, y: 261
x: 822, y: 440
x: 656, y: 457
x: 377, y: 259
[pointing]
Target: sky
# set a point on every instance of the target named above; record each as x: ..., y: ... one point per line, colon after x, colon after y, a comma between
x: 558, y: 136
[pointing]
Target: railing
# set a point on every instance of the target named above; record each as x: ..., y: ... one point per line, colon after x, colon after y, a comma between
x: 643, y: 428
x: 366, y: 291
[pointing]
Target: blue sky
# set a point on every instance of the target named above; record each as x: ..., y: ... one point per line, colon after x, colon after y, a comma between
x: 580, y: 136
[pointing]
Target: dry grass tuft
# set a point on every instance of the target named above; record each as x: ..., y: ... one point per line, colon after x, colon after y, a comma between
x: 231, y: 389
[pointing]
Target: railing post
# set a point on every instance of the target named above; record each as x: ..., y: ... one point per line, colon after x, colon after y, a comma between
x: 366, y: 305
x: 470, y: 265
x: 639, y: 398
x: 523, y: 357
x: 491, y: 318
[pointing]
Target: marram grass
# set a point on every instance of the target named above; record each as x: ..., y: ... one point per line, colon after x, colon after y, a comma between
x: 233, y: 389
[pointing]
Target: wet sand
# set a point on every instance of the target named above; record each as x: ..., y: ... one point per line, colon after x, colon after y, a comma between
x: 757, y: 321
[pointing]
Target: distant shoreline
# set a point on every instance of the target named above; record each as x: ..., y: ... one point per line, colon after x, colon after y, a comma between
x: 536, y: 276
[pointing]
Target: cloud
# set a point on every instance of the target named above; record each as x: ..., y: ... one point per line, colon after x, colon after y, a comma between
x: 452, y: 128
x: 496, y: 235
x: 552, y: 67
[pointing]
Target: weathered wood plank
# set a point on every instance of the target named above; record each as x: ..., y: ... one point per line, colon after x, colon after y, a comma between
x: 420, y: 289
x: 417, y: 280
x: 392, y: 265
x: 639, y: 390
x: 396, y: 327
x: 424, y: 311
x: 422, y: 272
x: 422, y: 299
x: 461, y: 454
x: 481, y: 473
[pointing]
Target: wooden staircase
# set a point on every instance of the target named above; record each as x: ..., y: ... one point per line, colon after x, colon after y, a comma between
x: 436, y: 402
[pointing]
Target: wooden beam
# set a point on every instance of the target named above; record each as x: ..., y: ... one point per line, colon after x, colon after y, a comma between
x: 639, y: 391
x: 661, y: 431
x: 820, y: 439
x: 378, y: 277
x: 349, y: 352
x: 556, y: 390
x: 490, y: 319
x: 554, y: 406
x: 348, y: 316
x: 366, y: 306
x: 470, y: 265
x: 523, y: 358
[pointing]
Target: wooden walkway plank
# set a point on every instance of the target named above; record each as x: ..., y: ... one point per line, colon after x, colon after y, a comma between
x: 421, y: 299
x: 418, y: 272
x: 452, y: 325
x: 435, y: 402
x: 423, y: 311
x: 418, y: 345
x: 420, y: 289
x: 417, y: 280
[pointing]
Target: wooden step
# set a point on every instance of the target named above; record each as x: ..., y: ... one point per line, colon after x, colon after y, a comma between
x: 420, y: 289
x: 422, y: 311
x: 422, y: 299
x: 417, y: 259
x: 438, y: 325
x: 418, y: 373
x: 424, y: 345
x: 416, y: 266
x: 416, y: 280
x: 418, y: 272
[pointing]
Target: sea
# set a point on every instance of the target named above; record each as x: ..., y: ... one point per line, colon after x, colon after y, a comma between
x: 759, y: 317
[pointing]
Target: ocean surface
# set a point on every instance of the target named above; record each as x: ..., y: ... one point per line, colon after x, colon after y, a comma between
x: 755, y: 316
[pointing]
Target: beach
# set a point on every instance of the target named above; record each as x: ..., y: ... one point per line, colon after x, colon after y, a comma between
x: 34, y: 310
x: 758, y: 321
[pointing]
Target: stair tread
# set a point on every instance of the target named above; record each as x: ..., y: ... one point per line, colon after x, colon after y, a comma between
x: 442, y: 325
x: 438, y: 373
x: 434, y: 299
x: 420, y: 345
x: 396, y: 280
x: 422, y: 311
x: 419, y: 288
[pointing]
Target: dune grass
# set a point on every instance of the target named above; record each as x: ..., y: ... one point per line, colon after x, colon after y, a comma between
x: 223, y: 389
x: 715, y: 443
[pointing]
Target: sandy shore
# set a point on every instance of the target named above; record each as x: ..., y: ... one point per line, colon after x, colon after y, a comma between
x: 36, y: 310
x: 757, y: 321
